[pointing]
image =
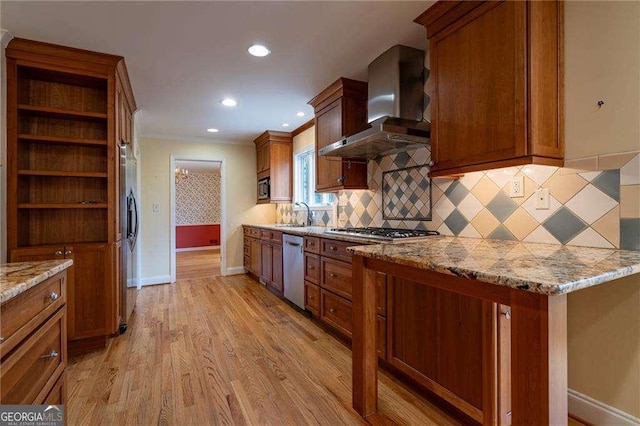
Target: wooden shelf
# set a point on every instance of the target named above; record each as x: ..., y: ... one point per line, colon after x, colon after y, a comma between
x: 62, y: 206
x: 61, y: 140
x: 62, y: 113
x: 61, y: 173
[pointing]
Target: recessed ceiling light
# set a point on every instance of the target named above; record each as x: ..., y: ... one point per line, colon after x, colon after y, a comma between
x: 258, y: 50
x: 229, y: 102
x: 300, y: 114
x: 212, y: 130
x: 285, y: 124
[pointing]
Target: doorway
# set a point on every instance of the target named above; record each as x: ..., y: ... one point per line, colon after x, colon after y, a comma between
x: 197, y: 218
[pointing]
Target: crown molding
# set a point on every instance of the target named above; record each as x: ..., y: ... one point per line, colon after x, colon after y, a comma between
x: 5, y: 37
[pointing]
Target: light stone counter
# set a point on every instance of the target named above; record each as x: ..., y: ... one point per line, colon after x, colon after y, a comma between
x: 16, y: 278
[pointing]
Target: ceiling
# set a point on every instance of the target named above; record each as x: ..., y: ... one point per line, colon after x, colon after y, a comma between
x: 184, y: 57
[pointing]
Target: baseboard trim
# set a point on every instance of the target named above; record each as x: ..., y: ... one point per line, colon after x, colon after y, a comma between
x: 158, y: 279
x: 236, y: 270
x: 598, y: 413
x: 178, y: 250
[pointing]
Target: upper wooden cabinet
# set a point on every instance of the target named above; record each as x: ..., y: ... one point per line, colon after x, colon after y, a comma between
x: 340, y: 110
x: 274, y: 159
x: 497, y: 84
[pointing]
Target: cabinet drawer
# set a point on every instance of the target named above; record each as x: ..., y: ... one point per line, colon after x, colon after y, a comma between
x: 276, y: 236
x: 29, y: 309
x: 247, y: 262
x: 254, y: 232
x: 312, y: 268
x: 312, y: 298
x: 246, y: 230
x: 58, y: 394
x: 265, y: 234
x: 336, y: 276
x: 336, y: 249
x: 246, y: 247
x: 42, y: 356
x: 312, y: 244
x: 336, y: 312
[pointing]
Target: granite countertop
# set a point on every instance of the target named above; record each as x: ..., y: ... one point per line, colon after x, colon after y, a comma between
x: 316, y: 231
x: 16, y: 278
x: 539, y: 268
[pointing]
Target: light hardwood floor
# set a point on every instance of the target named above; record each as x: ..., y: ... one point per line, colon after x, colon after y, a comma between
x: 197, y: 264
x: 226, y: 351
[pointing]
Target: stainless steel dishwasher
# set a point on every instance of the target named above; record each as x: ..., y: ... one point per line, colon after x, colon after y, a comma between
x: 293, y: 264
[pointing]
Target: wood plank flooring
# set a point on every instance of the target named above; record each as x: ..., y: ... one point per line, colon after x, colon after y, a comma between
x: 197, y: 264
x: 226, y: 351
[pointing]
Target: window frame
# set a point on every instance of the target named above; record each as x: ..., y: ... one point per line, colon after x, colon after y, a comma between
x: 297, y: 188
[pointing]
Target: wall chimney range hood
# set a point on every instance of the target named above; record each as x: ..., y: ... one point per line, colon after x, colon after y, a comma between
x: 395, y: 107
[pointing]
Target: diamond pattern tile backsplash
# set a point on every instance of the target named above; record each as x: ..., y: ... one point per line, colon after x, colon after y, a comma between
x: 587, y: 208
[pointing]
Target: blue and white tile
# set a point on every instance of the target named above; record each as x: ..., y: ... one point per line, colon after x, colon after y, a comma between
x: 470, y: 232
x: 443, y: 183
x: 590, y: 204
x: 589, y: 176
x: 630, y: 172
x: 541, y: 215
x: 469, y: 180
x: 541, y: 235
x: 444, y: 230
x: 502, y: 177
x: 444, y: 207
x: 590, y: 238
x: 470, y: 207
x: 564, y: 225
x: 539, y: 174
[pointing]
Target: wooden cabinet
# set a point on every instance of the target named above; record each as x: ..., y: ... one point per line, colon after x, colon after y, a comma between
x: 33, y: 348
x: 274, y: 160
x: 340, y: 111
x: 271, y: 249
x: 497, y: 73
x: 67, y: 111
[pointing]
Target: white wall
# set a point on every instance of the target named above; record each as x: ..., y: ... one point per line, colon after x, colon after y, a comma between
x: 240, y: 169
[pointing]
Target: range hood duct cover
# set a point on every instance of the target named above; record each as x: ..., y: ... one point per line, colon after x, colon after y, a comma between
x: 395, y: 108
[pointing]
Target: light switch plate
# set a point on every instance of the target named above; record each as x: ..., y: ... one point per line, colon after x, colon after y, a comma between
x: 517, y: 187
x: 542, y: 199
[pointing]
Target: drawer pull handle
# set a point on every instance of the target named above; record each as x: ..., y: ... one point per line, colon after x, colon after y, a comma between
x: 68, y: 252
x: 334, y: 248
x: 58, y: 253
x: 332, y: 310
x: 312, y: 244
x: 332, y: 275
x: 507, y: 314
x: 52, y: 354
x: 312, y: 267
x: 1, y: 339
x: 53, y: 296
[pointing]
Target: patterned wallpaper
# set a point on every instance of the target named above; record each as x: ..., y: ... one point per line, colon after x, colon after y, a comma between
x: 198, y: 199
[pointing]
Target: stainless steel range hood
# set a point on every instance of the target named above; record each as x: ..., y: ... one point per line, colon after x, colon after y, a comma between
x: 395, y: 107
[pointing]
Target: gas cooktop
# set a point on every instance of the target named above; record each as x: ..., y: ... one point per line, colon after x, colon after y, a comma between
x: 384, y: 234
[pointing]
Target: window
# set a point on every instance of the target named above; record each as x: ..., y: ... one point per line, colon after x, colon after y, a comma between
x: 305, y: 182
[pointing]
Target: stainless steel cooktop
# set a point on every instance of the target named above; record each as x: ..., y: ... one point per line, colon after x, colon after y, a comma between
x: 384, y: 234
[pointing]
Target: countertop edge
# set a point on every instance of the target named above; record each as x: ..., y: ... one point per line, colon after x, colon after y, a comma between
x: 14, y: 290
x: 315, y: 231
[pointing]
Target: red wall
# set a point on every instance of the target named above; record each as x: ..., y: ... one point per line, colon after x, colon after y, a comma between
x: 197, y: 236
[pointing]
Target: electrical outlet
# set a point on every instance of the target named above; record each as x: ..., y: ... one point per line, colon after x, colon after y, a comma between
x: 517, y: 187
x: 156, y: 207
x: 542, y: 199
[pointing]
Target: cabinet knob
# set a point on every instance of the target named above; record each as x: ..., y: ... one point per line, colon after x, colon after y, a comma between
x: 58, y: 253
x: 1, y: 339
x: 52, y: 354
x: 312, y: 267
x: 68, y: 252
x: 53, y: 296
x: 507, y: 314
x: 332, y: 275
x: 341, y: 179
x: 332, y: 310
x: 334, y: 248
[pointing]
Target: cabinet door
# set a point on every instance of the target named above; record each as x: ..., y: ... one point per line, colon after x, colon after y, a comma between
x: 328, y: 131
x: 256, y: 257
x: 90, y: 303
x: 276, y: 267
x: 478, y: 68
x: 266, y: 254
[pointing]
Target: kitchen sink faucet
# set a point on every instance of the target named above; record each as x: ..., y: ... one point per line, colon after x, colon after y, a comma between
x: 309, y: 212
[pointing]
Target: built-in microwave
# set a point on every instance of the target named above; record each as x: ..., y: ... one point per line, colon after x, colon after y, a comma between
x: 264, y: 188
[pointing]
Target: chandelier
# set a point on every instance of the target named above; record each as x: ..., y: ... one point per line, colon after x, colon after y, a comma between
x: 181, y: 173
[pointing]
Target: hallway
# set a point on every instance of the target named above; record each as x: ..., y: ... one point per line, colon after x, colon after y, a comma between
x: 197, y: 264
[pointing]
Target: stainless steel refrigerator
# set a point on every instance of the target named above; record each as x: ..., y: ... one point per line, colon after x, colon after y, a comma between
x: 130, y: 226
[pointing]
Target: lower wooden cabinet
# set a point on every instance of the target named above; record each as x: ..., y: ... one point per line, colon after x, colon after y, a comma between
x: 92, y: 303
x: 33, y: 348
x: 312, y: 298
x: 58, y: 394
x: 336, y: 311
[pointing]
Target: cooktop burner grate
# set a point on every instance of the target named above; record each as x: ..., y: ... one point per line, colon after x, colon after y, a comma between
x: 384, y: 233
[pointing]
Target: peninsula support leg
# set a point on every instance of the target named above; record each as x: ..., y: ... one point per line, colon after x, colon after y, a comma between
x: 538, y: 359
x: 365, y: 359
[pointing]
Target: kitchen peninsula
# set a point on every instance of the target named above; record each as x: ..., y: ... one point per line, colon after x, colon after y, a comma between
x: 523, y: 361
x: 33, y: 330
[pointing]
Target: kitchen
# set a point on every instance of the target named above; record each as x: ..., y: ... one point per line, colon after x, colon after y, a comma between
x: 588, y: 201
